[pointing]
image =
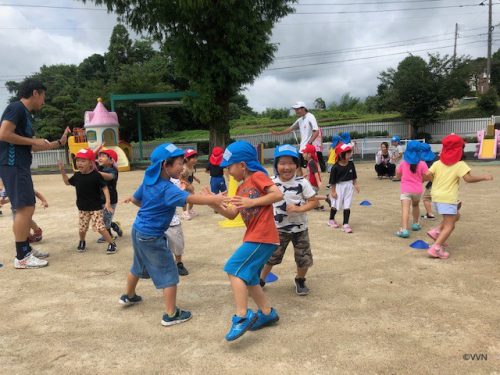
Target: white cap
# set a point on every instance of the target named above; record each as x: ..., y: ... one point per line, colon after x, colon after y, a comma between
x: 299, y: 105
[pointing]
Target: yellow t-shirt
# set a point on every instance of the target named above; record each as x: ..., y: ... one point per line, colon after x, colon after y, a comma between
x: 446, y: 181
x: 332, y: 157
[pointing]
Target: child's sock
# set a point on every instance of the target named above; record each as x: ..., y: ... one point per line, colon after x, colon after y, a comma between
x: 22, y: 249
x: 347, y: 213
x: 333, y: 211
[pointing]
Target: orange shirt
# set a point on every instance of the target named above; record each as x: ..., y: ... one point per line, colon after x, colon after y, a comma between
x: 258, y: 220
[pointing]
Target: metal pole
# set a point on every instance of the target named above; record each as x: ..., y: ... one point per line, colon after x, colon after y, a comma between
x: 139, y: 133
x: 490, y: 30
x: 455, y: 46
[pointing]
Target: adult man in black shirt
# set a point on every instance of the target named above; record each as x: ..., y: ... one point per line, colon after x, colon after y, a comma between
x: 16, y: 145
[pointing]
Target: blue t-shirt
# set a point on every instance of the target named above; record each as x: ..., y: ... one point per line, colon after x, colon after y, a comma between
x: 17, y: 155
x: 158, y: 203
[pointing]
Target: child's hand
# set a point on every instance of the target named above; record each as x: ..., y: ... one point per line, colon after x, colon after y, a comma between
x: 334, y: 194
x: 45, y: 204
x: 221, y: 200
x: 242, y: 202
x: 60, y: 165
x: 108, y: 208
x: 356, y: 187
x: 488, y: 177
x: 128, y: 200
x: 205, y: 190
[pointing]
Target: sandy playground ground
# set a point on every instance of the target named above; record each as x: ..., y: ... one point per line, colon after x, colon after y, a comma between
x: 376, y: 305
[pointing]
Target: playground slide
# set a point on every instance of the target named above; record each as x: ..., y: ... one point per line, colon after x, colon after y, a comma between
x: 488, y: 149
x: 123, y: 162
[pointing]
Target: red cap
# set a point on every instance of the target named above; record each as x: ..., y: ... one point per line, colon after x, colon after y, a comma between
x: 189, y: 152
x: 342, y: 147
x: 216, y: 156
x: 310, y: 149
x: 86, y: 153
x: 111, y: 153
x: 452, y: 149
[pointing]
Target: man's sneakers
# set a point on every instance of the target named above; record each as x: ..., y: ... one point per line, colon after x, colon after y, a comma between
x: 81, y: 246
x: 29, y: 261
x: 117, y: 228
x: 111, y: 248
x: 300, y: 287
x: 241, y: 324
x: 38, y: 253
x: 36, y: 236
x: 129, y: 301
x: 264, y: 320
x: 182, y: 270
x: 436, y: 251
x: 180, y: 316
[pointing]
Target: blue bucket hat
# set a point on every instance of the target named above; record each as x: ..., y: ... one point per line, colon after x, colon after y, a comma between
x: 285, y: 150
x: 395, y: 138
x: 242, y: 151
x: 426, y: 153
x: 412, y: 152
x: 335, y: 141
x: 160, y: 153
x: 345, y: 137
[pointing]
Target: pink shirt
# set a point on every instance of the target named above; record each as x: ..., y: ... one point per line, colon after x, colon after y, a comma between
x: 411, y: 183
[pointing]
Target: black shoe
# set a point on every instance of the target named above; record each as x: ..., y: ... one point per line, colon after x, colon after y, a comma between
x: 300, y: 287
x: 182, y: 270
x: 81, y: 246
x: 117, y: 229
x: 262, y: 283
x: 111, y: 248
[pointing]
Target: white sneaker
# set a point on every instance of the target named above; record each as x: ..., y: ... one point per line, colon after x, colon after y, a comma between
x: 29, y: 261
x: 39, y: 253
x: 192, y: 213
x: 186, y: 216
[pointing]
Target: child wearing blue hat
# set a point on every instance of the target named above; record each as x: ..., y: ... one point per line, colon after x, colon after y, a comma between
x: 332, y: 156
x: 428, y: 157
x: 290, y: 215
x: 254, y: 198
x: 411, y: 171
x: 158, y: 198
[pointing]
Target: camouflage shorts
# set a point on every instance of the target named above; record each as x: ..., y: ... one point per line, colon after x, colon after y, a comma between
x: 85, y: 217
x: 301, y: 246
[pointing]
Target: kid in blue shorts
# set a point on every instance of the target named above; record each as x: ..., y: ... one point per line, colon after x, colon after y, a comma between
x: 254, y: 201
x: 158, y: 198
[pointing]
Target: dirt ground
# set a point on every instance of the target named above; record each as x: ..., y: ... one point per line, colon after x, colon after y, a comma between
x: 376, y: 305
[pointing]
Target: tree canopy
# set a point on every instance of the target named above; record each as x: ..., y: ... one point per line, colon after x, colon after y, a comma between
x: 218, y: 46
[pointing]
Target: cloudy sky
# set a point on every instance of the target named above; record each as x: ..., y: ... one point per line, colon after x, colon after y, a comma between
x: 327, y: 48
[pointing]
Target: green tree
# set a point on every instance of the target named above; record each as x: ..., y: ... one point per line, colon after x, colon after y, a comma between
x: 319, y: 103
x: 119, y: 50
x: 489, y: 101
x: 219, y: 46
x: 420, y: 90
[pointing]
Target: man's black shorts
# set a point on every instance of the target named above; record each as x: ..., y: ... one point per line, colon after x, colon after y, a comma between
x: 18, y: 186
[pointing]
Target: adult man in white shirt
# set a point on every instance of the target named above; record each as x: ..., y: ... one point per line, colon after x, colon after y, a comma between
x: 308, y: 127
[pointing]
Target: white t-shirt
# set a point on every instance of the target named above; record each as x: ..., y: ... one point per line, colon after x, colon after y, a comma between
x: 175, y: 219
x: 307, y: 125
x: 318, y: 141
x: 295, y: 191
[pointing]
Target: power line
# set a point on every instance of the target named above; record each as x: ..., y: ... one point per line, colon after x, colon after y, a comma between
x: 369, y: 3
x: 52, y: 7
x: 368, y: 57
x: 388, y: 10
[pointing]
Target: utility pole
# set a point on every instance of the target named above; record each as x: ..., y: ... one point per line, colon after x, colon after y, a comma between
x: 490, y: 31
x: 455, y: 47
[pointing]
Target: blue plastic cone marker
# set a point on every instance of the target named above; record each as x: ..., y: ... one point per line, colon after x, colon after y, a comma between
x: 271, y: 277
x: 419, y: 245
x: 365, y: 203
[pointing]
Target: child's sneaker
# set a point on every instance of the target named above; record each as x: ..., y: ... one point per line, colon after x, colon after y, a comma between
x: 346, y: 228
x: 111, y: 248
x: 180, y: 317
x: 103, y: 240
x: 416, y: 227
x: 300, y: 287
x: 434, y: 234
x: 333, y: 224
x: 436, y: 251
x: 403, y: 233
x: 428, y: 217
x: 264, y: 320
x: 29, y: 261
x: 182, y: 270
x: 81, y: 246
x: 128, y: 301
x: 39, y: 253
x: 36, y: 236
x: 116, y: 226
x: 241, y: 325
x: 192, y: 213
x: 186, y: 216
